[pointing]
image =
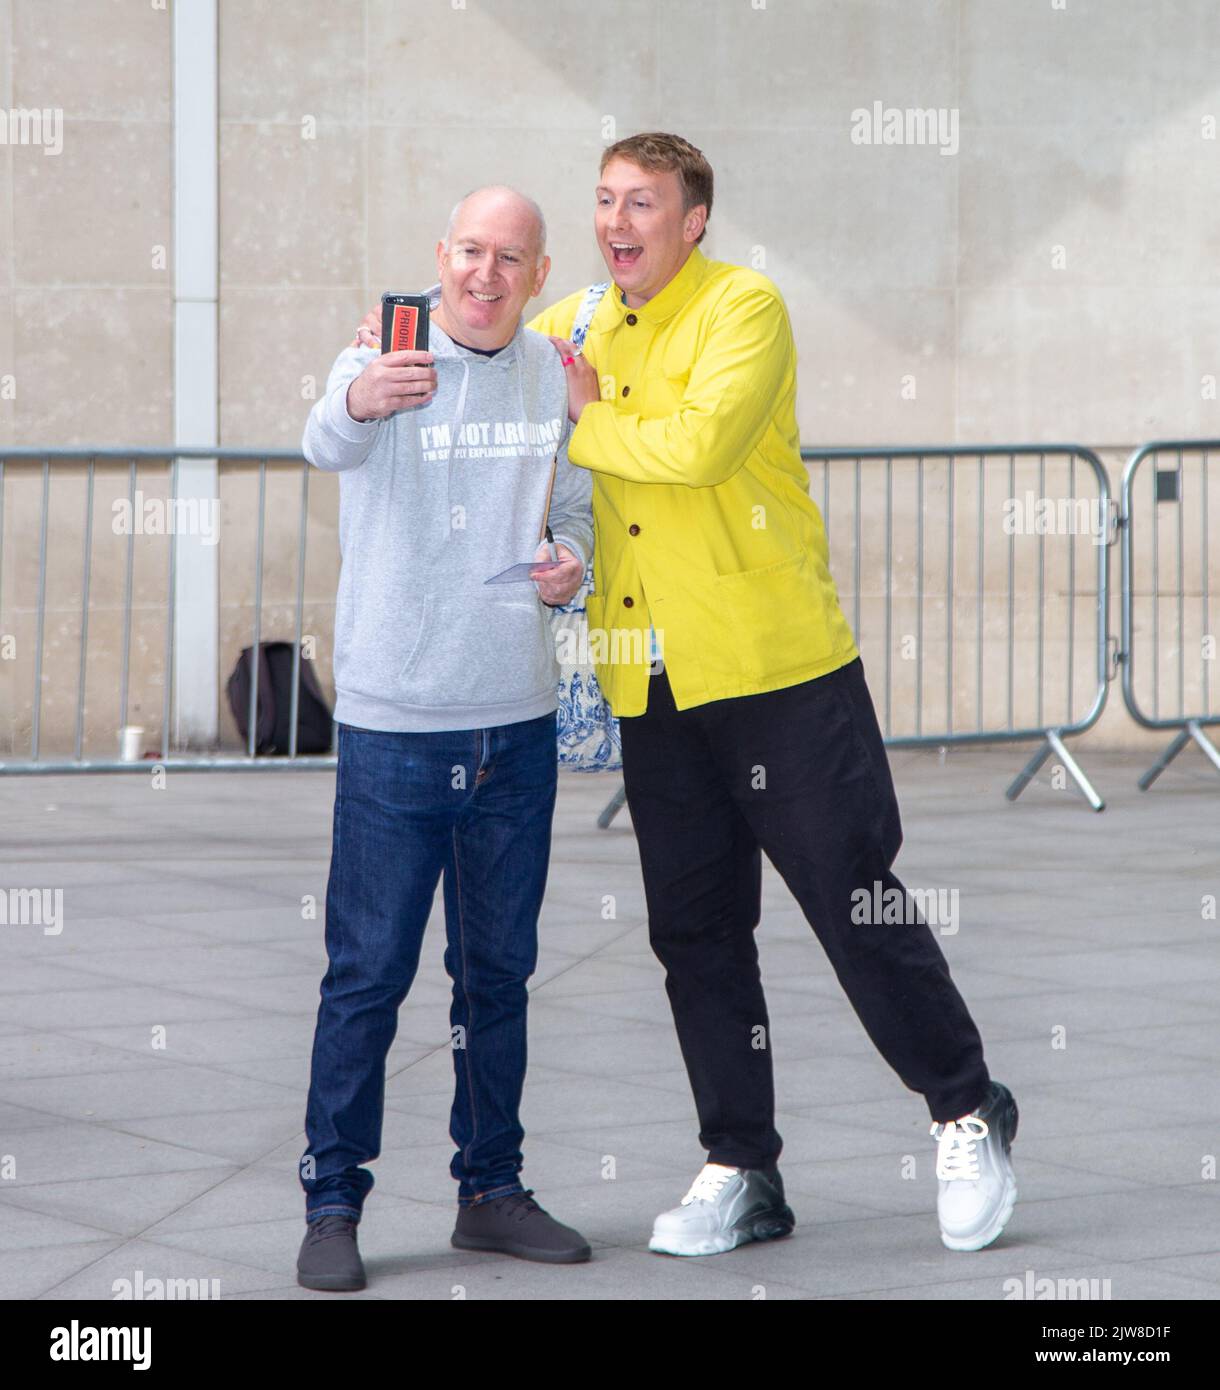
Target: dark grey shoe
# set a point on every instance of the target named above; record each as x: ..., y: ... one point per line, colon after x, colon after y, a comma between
x: 517, y: 1225
x: 330, y: 1258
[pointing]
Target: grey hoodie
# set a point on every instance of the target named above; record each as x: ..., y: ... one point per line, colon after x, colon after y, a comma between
x: 433, y: 501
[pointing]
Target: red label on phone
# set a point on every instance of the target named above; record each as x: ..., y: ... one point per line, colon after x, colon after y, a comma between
x: 404, y: 329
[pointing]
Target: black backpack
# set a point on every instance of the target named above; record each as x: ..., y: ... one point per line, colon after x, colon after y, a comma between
x: 314, y: 723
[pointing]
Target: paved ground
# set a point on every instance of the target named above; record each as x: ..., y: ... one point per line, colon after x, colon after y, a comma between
x: 182, y: 912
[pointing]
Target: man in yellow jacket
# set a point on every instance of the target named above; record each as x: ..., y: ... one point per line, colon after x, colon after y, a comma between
x: 755, y: 732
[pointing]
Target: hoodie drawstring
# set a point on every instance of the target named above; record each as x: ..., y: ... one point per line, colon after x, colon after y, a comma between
x: 455, y: 430
x: 458, y: 421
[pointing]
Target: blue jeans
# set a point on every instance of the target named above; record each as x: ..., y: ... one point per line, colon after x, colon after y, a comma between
x: 476, y: 806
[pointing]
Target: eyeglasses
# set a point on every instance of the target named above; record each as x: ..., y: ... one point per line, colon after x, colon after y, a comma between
x: 462, y: 256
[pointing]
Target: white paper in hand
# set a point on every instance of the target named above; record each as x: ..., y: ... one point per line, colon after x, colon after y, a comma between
x: 515, y: 574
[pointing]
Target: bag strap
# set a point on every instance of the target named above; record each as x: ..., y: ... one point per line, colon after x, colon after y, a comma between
x: 580, y: 327
x: 584, y: 315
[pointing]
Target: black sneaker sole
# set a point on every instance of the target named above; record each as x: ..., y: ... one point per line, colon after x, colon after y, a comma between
x: 769, y: 1225
x: 493, y: 1245
x: 331, y: 1283
x: 1010, y: 1114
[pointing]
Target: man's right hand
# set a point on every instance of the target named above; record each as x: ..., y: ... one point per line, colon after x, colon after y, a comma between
x: 393, y: 381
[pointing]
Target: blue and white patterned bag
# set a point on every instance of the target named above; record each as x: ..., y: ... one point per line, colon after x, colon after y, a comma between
x: 588, y: 734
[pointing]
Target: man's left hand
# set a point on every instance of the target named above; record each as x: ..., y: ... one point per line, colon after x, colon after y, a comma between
x: 369, y: 333
x: 558, y: 586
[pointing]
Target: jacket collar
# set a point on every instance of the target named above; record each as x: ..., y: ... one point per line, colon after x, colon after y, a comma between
x: 666, y: 304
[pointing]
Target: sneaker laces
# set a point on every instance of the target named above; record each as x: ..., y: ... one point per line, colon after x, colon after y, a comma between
x: 956, y: 1156
x: 707, y: 1186
x: 519, y: 1205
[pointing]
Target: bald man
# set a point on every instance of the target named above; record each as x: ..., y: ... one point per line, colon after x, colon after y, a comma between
x: 445, y: 704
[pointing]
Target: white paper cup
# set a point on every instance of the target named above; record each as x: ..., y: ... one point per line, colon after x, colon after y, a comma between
x: 131, y: 743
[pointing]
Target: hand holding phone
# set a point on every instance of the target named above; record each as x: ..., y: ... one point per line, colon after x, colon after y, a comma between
x: 404, y: 323
x: 392, y: 382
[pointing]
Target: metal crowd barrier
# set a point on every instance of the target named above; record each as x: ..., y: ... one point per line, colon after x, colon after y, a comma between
x: 139, y: 463
x: 939, y: 574
x: 1160, y: 497
x: 926, y: 572
x: 947, y: 572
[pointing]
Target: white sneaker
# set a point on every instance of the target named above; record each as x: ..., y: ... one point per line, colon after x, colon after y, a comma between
x: 724, y: 1208
x: 978, y: 1188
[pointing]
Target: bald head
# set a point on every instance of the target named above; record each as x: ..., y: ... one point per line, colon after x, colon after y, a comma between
x: 520, y: 216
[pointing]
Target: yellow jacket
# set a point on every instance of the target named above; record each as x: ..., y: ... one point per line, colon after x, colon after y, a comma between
x: 704, y: 527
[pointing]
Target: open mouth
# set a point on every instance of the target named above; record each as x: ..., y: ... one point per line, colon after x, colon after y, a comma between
x: 485, y: 298
x: 626, y: 252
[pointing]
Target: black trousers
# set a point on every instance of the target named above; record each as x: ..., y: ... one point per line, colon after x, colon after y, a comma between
x: 801, y: 775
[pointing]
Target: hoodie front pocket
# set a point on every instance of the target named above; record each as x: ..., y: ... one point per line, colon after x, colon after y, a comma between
x: 421, y: 632
x: 383, y: 641
x: 479, y: 649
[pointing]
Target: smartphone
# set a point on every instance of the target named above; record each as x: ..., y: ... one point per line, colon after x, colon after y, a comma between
x: 404, y: 323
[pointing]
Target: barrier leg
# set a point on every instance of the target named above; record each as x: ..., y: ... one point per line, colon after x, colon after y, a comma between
x: 612, y: 808
x: 1180, y: 741
x: 1076, y: 770
x: 1210, y: 751
x: 1054, y: 744
x: 1193, y: 730
x: 1028, y: 772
